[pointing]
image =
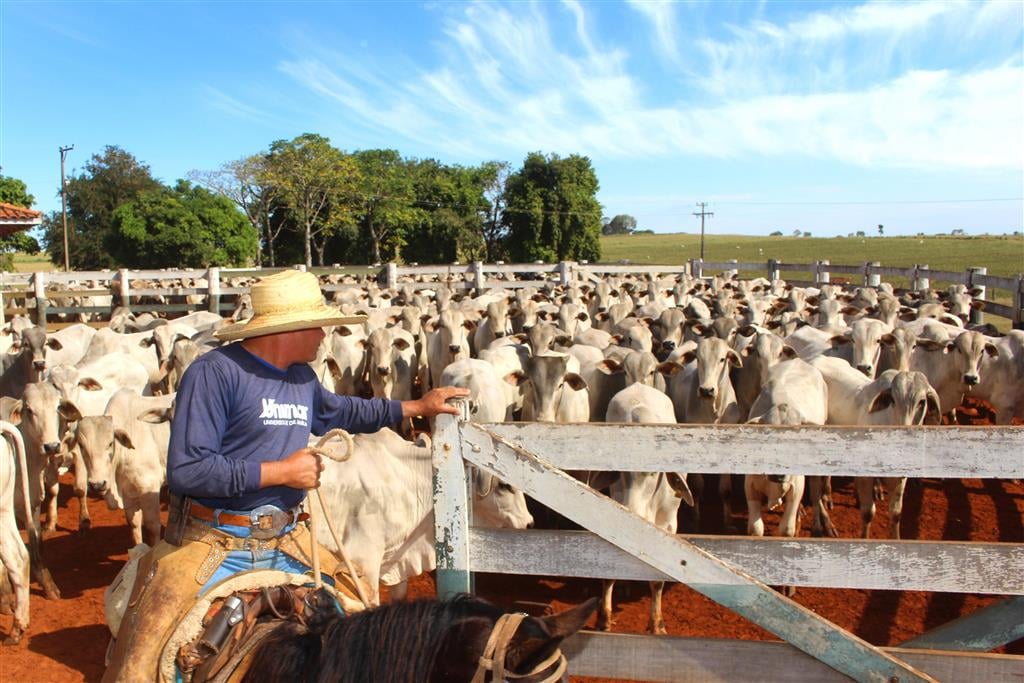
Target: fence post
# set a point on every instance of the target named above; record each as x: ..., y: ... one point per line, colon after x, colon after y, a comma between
x: 977, y: 316
x: 821, y: 274
x: 451, y: 506
x: 773, y: 270
x: 1018, y: 304
x: 3, y: 313
x: 391, y: 275
x: 126, y: 288
x: 39, y: 291
x: 872, y: 279
x: 213, y: 289
x: 921, y: 281
x: 732, y: 272
x: 565, y: 273
x: 301, y: 267
x: 479, y: 278
x: 697, y: 267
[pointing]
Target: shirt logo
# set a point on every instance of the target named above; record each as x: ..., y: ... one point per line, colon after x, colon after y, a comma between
x: 283, y: 414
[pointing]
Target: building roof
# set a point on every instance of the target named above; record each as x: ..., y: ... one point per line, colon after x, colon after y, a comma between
x: 16, y: 218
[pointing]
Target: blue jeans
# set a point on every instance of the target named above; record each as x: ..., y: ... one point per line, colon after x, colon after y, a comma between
x: 244, y: 560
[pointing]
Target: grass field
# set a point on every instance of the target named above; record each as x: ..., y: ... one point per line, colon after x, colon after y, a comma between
x: 1002, y: 255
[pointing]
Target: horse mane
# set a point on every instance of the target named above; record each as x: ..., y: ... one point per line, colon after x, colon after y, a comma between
x: 396, y: 643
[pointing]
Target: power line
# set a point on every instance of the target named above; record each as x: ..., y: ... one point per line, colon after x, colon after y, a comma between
x: 875, y: 202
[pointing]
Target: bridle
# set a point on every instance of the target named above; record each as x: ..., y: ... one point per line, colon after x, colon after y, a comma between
x: 550, y: 670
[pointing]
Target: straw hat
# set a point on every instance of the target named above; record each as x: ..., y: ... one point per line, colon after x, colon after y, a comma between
x: 284, y: 302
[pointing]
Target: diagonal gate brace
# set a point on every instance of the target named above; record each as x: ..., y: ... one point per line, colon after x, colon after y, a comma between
x: 683, y: 561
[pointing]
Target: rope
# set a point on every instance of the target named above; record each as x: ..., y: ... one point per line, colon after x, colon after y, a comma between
x: 314, y: 516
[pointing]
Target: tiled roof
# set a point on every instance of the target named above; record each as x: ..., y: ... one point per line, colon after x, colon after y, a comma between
x: 9, y: 213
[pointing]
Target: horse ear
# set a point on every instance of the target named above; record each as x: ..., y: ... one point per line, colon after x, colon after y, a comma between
x: 570, y: 621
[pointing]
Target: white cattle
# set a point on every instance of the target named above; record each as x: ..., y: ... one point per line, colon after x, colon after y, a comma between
x: 448, y: 342
x: 125, y: 452
x: 894, y: 398
x: 952, y: 365
x: 760, y: 354
x: 13, y: 555
x: 654, y: 496
x: 794, y: 393
x: 138, y: 344
x: 346, y: 359
x: 554, y: 390
x: 494, y: 325
x: 1002, y: 378
x: 391, y: 363
x: 381, y: 502
x: 68, y: 346
x: 24, y: 362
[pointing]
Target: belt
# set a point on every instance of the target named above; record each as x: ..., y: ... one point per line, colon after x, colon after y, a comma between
x: 266, y: 518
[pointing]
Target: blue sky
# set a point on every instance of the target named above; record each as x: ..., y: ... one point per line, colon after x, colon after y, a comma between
x: 827, y: 117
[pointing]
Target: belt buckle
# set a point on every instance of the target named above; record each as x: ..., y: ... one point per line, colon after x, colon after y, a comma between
x: 266, y: 521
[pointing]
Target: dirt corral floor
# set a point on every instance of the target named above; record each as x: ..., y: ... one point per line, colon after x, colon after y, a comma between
x: 67, y: 637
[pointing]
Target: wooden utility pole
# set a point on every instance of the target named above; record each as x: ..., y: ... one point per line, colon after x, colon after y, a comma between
x: 702, y: 214
x: 64, y: 204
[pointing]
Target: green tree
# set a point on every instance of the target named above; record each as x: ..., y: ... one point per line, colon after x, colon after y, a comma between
x: 386, y: 203
x: 623, y: 224
x: 14, y: 191
x: 316, y: 183
x: 109, y: 180
x: 246, y: 182
x: 186, y: 226
x: 553, y: 212
x: 448, y: 218
x: 494, y: 176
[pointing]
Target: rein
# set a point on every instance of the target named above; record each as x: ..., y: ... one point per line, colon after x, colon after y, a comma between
x: 493, y: 659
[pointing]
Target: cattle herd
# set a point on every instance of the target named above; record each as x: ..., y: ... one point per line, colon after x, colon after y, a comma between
x: 625, y: 349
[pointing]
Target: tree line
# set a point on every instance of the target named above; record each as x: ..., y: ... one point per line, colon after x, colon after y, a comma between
x: 306, y: 201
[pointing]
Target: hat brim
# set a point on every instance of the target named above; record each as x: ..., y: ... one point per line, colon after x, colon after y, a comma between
x: 260, y: 326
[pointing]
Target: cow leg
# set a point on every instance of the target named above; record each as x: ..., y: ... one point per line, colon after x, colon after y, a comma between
x: 657, y: 623
x: 50, y: 500
x: 822, y: 522
x: 725, y: 493
x: 133, y: 516
x: 895, y: 487
x: 82, y: 492
x: 866, y: 498
x: 604, y: 617
x: 696, y: 484
x: 826, y: 495
x: 14, y: 558
x: 755, y: 525
x: 399, y: 592
x: 150, y: 505
x: 39, y: 569
x: 788, y: 523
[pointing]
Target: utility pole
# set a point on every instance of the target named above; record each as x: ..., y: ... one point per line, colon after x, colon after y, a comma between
x: 64, y: 204
x: 702, y: 214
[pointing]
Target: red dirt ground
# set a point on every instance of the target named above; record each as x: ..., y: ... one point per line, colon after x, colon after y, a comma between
x: 67, y: 638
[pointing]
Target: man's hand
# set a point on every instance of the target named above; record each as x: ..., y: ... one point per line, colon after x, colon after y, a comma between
x: 434, y: 402
x: 300, y: 470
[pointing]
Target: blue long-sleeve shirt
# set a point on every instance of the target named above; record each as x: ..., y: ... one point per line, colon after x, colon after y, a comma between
x: 234, y: 411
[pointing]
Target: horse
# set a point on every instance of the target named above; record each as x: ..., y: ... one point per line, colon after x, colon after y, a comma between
x: 461, y: 640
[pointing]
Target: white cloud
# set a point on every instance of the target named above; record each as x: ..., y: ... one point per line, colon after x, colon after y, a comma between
x: 504, y: 86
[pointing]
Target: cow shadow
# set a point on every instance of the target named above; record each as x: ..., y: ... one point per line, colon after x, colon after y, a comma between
x: 82, y: 648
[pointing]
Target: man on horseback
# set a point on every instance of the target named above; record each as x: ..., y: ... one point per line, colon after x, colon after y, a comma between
x: 239, y: 464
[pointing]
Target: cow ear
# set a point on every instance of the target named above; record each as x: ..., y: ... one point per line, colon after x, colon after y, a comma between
x: 401, y: 344
x: 122, y: 438
x: 362, y: 343
x: 469, y: 325
x: 734, y: 358
x: 332, y: 367
x: 679, y: 485
x: 342, y: 331
x: 609, y: 366
x: 669, y: 368
x: 154, y: 416
x: 688, y: 357
x: 54, y: 344
x: 581, y: 316
x: 787, y: 353
x: 15, y: 416
x: 881, y: 402
x: 69, y: 411
x: 839, y: 340
x: 563, y: 340
x: 888, y: 339
x: 575, y: 381
x: 991, y: 350
x: 146, y: 341
x: 931, y: 345
x: 853, y: 310
x: 515, y: 378
x: 90, y: 384
x: 933, y: 412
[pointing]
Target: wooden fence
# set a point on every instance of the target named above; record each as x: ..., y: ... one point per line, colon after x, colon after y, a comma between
x: 735, y: 571
x: 42, y: 294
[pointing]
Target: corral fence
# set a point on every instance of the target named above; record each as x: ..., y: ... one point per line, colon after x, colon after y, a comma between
x: 735, y: 571
x: 46, y: 294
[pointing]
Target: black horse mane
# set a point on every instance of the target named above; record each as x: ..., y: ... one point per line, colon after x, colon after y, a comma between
x: 396, y: 643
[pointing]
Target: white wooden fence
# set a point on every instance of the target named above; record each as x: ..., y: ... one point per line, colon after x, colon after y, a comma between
x: 44, y: 292
x: 735, y: 571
